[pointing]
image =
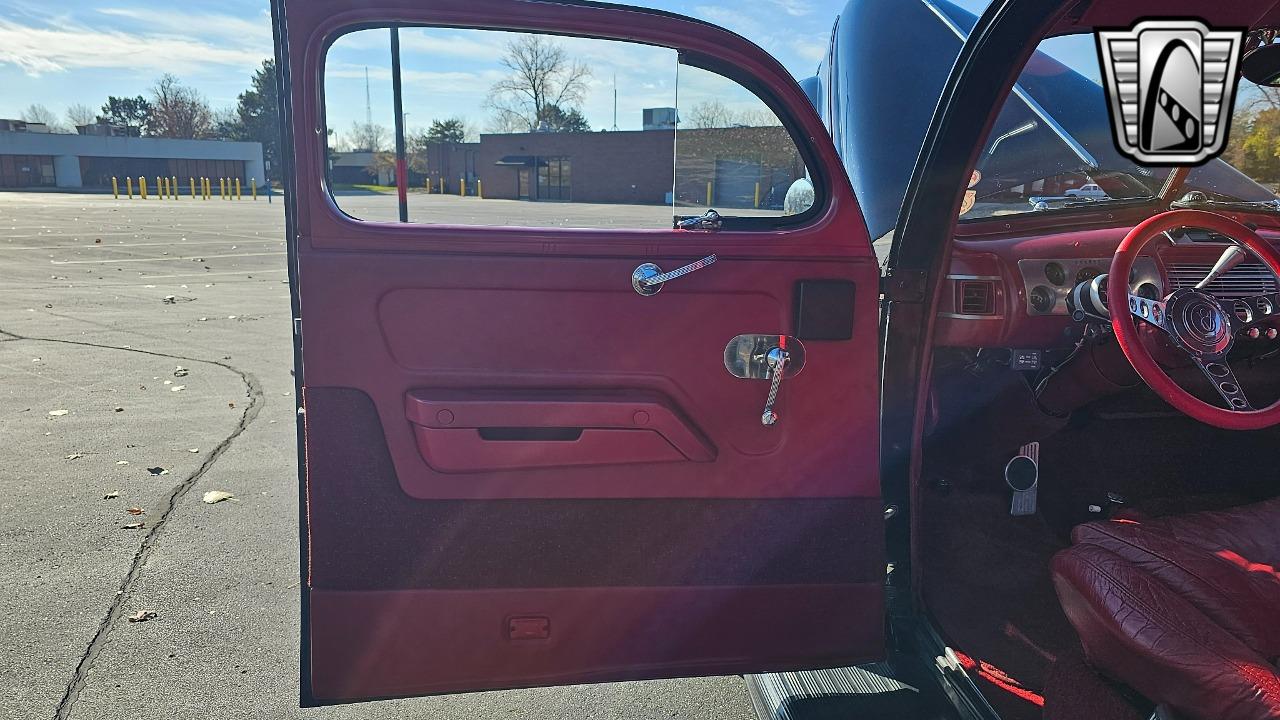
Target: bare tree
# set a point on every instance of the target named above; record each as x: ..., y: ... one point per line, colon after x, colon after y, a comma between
x: 758, y: 117
x: 500, y: 123
x: 715, y: 114
x: 179, y: 111
x: 1266, y: 98
x: 368, y: 137
x: 542, y: 77
x: 80, y: 114
x: 709, y: 114
x: 37, y: 113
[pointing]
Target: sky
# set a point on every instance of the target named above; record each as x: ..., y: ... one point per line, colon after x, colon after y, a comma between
x: 80, y: 51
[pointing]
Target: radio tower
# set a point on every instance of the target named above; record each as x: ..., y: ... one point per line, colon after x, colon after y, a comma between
x: 615, y: 101
x: 368, y: 104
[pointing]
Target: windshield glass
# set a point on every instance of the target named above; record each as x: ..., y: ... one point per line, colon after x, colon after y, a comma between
x: 1052, y: 147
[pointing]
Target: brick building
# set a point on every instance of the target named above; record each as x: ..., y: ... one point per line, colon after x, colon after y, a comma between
x: 735, y: 167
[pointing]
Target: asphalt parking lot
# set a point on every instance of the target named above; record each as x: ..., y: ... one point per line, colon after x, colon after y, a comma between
x: 145, y: 361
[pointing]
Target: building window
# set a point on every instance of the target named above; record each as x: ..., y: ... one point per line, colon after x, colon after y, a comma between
x: 26, y: 171
x: 553, y: 178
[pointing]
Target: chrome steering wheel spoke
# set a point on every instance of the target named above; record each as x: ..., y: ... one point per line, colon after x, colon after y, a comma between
x: 1151, y: 311
x: 1224, y: 381
x: 1255, y: 310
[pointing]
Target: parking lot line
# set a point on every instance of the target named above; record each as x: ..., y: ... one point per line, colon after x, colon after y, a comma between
x: 161, y: 259
x: 211, y: 274
x: 170, y: 243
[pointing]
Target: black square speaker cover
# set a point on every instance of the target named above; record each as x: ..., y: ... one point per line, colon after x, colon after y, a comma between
x: 824, y: 309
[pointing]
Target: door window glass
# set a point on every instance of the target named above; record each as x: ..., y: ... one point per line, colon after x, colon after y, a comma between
x: 733, y: 153
x: 526, y: 129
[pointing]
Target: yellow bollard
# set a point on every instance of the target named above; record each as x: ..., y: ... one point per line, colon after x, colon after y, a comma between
x: 162, y: 184
x: 427, y: 184
x: 757, y: 195
x: 191, y: 183
x: 115, y: 187
x: 142, y: 187
x: 173, y: 186
x: 208, y: 188
x: 159, y: 193
x: 708, y: 193
x: 441, y: 186
x: 222, y: 188
x: 462, y: 187
x: 128, y: 185
x: 479, y: 189
x: 238, y: 188
x: 253, y: 187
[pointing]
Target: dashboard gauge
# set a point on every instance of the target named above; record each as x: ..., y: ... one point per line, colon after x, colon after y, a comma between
x: 1087, y: 274
x: 1056, y: 274
x: 1042, y: 299
x: 1148, y: 290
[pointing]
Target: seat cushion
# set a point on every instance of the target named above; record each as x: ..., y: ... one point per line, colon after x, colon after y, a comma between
x: 1147, y: 635
x: 1206, y: 566
x: 1251, y: 532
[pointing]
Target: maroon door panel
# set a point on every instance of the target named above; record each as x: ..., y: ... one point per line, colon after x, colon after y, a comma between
x: 519, y: 471
x: 413, y: 324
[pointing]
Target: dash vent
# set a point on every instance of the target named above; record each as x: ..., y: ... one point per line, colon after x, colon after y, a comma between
x: 977, y: 297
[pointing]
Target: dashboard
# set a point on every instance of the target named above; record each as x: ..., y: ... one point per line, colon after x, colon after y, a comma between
x: 1047, y: 283
x: 1011, y: 291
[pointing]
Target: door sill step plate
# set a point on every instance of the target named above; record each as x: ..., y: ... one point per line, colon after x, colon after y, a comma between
x: 847, y: 692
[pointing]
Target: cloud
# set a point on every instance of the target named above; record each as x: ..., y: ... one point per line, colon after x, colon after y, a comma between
x: 67, y: 45
x: 252, y: 31
x: 808, y: 49
x: 739, y: 22
x: 794, y: 8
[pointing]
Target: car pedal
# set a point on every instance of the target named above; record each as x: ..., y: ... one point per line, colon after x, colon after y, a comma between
x: 1022, y: 475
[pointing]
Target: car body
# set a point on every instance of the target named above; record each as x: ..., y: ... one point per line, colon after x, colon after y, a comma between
x: 518, y: 468
x: 1088, y: 190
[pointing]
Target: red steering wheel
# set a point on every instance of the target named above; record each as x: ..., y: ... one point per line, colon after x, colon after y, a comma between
x: 1196, y: 322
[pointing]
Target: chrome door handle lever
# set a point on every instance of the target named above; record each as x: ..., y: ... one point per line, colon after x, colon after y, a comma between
x: 648, y: 278
x: 777, y: 360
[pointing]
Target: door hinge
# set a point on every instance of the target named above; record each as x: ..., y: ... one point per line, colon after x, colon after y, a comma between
x: 904, y: 286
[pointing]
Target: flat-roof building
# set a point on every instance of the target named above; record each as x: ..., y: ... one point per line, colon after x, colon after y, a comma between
x: 41, y: 159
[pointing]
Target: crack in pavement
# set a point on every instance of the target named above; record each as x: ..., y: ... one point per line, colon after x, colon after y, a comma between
x: 253, y: 389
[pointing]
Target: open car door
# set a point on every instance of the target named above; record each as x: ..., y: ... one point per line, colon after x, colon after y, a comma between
x: 524, y: 466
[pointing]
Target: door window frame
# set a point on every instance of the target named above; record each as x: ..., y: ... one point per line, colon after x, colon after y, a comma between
x: 800, y: 135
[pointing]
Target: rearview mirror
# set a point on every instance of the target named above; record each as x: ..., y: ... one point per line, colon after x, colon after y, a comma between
x: 1262, y: 66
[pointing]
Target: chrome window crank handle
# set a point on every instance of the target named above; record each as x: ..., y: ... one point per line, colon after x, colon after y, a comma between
x: 777, y: 360
x: 648, y: 278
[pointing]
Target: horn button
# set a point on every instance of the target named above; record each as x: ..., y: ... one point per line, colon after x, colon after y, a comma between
x: 1199, y: 323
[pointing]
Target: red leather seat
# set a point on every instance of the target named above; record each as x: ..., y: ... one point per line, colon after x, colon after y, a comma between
x: 1184, y: 609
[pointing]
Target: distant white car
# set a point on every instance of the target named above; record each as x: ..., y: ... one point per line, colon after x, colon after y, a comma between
x: 1090, y: 190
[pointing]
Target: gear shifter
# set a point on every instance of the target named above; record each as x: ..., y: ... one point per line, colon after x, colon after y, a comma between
x: 1231, y: 257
